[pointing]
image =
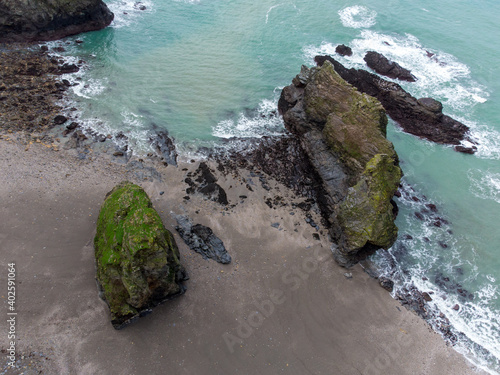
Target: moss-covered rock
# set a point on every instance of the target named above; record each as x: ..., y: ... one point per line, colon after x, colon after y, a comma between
x: 343, y: 133
x: 36, y: 20
x: 137, y: 259
x: 367, y: 215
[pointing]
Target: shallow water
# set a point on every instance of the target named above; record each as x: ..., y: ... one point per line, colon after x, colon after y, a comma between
x: 212, y: 70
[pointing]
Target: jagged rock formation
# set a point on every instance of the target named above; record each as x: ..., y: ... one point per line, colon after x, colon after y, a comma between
x: 202, y: 240
x: 137, y: 259
x: 421, y: 117
x: 164, y: 147
x: 38, y: 20
x: 382, y: 65
x: 343, y: 133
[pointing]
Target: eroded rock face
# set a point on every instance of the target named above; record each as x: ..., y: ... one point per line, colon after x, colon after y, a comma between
x: 39, y: 20
x: 137, y: 259
x: 343, y: 133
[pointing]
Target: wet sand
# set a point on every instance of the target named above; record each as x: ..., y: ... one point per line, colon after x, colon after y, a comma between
x: 281, y: 306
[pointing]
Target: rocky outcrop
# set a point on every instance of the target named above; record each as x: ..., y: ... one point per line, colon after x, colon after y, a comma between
x: 343, y: 133
x: 164, y: 147
x: 421, y: 117
x: 39, y: 20
x: 202, y: 239
x: 382, y: 65
x: 137, y: 259
x: 343, y: 50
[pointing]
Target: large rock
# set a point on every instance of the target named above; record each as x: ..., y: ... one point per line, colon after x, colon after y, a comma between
x: 423, y: 117
x: 38, y: 20
x: 382, y: 65
x: 137, y: 259
x: 343, y: 133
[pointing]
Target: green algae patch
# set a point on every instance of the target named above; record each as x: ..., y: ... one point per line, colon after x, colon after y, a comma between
x: 367, y: 215
x: 137, y: 259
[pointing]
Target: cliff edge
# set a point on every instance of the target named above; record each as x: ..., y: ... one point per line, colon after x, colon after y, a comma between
x: 42, y: 20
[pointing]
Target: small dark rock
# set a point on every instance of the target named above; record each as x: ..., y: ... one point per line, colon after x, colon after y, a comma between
x: 386, y: 283
x: 419, y: 216
x: 60, y: 119
x: 343, y: 50
x: 466, y: 150
x: 456, y: 307
x: 432, y: 207
x: 72, y: 126
x: 426, y: 296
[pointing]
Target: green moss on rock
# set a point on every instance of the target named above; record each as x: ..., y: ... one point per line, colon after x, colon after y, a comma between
x: 366, y: 215
x: 138, y: 262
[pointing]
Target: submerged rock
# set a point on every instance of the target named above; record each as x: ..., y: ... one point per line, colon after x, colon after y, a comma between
x: 343, y: 133
x: 202, y: 240
x: 382, y: 65
x: 38, y: 20
x: 423, y: 117
x: 137, y: 259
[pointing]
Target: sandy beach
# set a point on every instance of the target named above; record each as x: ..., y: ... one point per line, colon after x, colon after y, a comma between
x: 282, y: 306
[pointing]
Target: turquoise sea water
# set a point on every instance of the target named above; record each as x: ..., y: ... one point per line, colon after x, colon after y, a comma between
x: 209, y: 70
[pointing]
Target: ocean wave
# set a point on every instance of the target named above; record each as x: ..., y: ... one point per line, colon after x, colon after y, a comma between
x: 127, y: 11
x: 264, y: 122
x: 357, y: 17
x: 485, y: 185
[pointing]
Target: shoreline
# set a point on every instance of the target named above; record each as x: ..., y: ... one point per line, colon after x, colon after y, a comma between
x: 70, y: 170
x: 316, y: 309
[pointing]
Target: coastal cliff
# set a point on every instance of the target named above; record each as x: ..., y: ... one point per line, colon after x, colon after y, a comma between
x: 343, y: 133
x: 41, y: 20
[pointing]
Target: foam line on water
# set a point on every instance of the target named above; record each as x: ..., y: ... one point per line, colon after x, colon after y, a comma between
x: 357, y: 16
x: 128, y: 11
x: 485, y: 184
x: 265, y: 122
x: 414, y: 260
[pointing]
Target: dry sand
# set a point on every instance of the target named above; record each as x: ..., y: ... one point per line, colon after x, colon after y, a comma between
x: 281, y: 306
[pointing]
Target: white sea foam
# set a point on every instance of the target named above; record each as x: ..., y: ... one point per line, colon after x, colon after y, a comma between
x: 265, y: 122
x: 357, y: 17
x: 485, y: 185
x: 487, y: 139
x: 127, y: 11
x: 439, y: 75
x: 90, y: 89
x: 477, y: 319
